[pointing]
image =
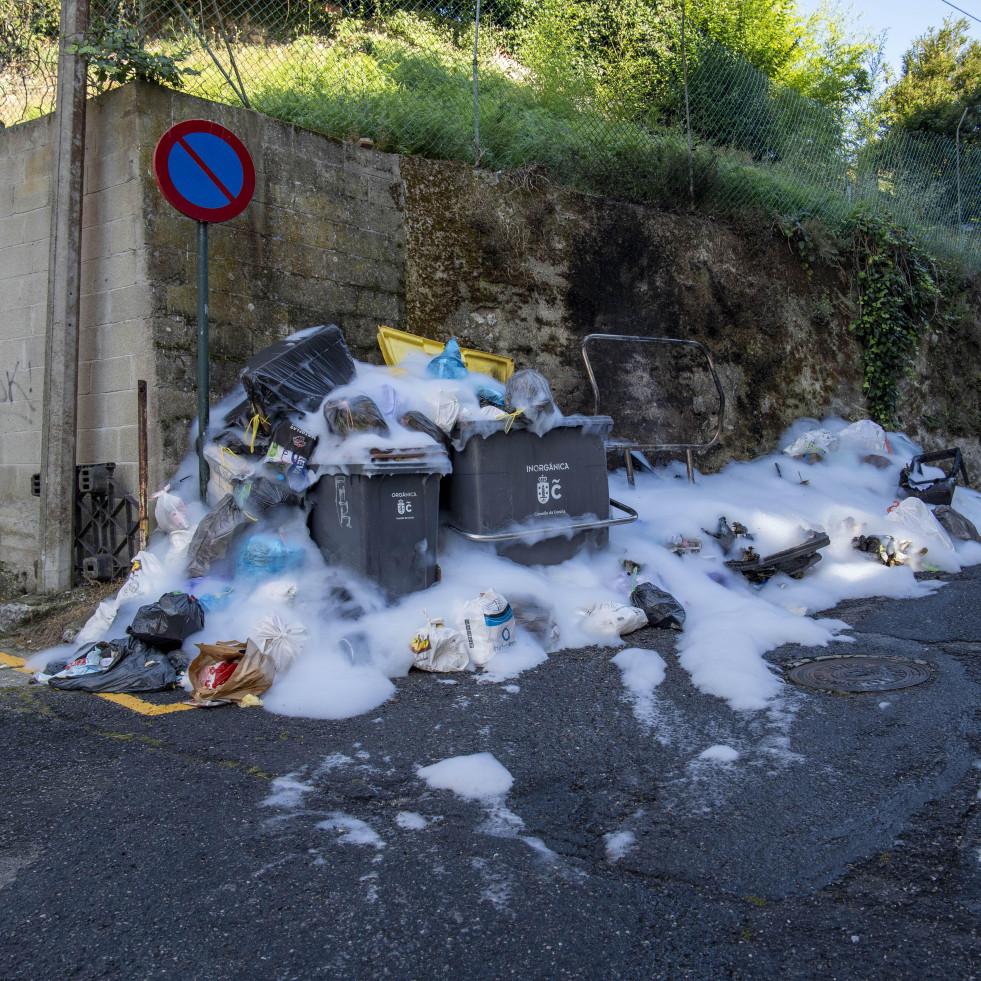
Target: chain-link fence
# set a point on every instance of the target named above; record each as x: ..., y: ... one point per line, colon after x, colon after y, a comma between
x: 459, y: 79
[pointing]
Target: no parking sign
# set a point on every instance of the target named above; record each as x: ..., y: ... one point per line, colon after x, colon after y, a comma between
x: 206, y: 173
x: 204, y: 170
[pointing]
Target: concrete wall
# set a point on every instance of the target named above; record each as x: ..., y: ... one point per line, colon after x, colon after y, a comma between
x: 25, y: 184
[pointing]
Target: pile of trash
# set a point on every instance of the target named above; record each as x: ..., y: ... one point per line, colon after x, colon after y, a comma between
x: 301, y: 450
x: 331, y: 486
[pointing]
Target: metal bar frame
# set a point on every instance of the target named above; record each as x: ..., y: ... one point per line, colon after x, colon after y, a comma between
x: 543, y: 531
x: 627, y: 446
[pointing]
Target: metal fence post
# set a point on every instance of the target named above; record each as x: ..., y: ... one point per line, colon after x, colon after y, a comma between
x: 476, y: 101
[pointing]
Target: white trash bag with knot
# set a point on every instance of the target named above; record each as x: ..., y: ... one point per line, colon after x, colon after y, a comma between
x: 280, y: 640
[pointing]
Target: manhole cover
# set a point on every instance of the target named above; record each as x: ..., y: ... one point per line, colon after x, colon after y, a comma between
x: 860, y: 672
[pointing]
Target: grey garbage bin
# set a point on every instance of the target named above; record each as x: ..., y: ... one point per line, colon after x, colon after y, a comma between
x: 380, y: 518
x: 538, y: 499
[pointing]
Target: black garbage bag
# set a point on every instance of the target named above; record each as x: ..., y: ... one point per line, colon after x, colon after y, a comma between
x: 955, y: 524
x: 266, y: 494
x: 295, y: 375
x: 420, y: 423
x: 214, y: 533
x: 933, y: 490
x: 662, y: 609
x: 136, y: 667
x: 357, y: 414
x: 167, y: 623
x: 528, y: 392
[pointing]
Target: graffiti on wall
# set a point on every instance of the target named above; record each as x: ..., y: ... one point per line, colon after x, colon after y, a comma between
x: 17, y: 394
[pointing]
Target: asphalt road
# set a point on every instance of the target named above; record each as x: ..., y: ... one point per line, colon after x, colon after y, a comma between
x: 844, y: 842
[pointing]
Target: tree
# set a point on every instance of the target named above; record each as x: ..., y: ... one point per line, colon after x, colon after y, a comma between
x: 941, y: 79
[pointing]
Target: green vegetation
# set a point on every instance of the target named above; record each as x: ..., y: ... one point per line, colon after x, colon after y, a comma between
x: 898, y: 294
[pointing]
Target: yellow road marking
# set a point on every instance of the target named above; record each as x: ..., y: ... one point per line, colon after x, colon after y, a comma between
x: 131, y: 702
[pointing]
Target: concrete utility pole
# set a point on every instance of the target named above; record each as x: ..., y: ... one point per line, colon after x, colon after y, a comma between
x: 57, y: 526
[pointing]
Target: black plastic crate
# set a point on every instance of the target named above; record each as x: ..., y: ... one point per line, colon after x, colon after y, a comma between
x: 504, y: 478
x: 381, y: 520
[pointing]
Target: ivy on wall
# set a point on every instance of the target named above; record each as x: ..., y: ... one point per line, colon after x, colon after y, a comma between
x: 899, y: 293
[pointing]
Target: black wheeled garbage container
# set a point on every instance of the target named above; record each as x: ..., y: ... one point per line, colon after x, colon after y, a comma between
x: 538, y: 498
x: 381, y: 518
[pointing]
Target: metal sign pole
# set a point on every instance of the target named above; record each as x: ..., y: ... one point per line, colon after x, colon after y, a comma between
x: 203, y: 375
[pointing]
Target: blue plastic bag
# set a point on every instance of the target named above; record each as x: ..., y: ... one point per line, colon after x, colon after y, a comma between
x: 449, y: 362
x: 268, y: 555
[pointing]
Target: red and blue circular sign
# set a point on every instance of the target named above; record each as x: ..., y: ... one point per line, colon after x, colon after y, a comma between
x: 204, y: 170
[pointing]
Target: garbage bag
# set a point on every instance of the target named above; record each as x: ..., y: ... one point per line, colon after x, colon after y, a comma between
x: 266, y: 494
x: 609, y: 619
x: 955, y: 524
x: 488, y: 626
x: 97, y: 625
x: 865, y: 435
x: 214, y: 534
x: 295, y: 375
x: 268, y: 555
x: 813, y: 445
x: 439, y: 648
x: 357, y: 414
x: 921, y: 525
x: 449, y: 362
x: 280, y: 640
x: 419, y: 423
x: 490, y: 396
x: 134, y: 667
x: 91, y: 659
x: 528, y: 392
x: 170, y: 511
x: 167, y: 623
x: 442, y: 406
x: 145, y: 571
x: 662, y: 609
x: 252, y: 671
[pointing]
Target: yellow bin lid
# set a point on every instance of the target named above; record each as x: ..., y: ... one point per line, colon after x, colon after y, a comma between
x: 396, y: 344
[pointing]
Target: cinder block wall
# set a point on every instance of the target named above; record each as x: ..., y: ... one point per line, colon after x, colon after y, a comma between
x: 25, y: 189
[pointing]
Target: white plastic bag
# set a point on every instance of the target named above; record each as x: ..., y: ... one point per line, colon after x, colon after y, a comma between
x: 815, y: 442
x: 97, y: 625
x: 144, y: 578
x: 488, y: 626
x: 921, y: 526
x: 280, y: 640
x: 442, y: 406
x: 180, y: 539
x: 170, y: 511
x: 439, y: 648
x: 612, y: 619
x: 865, y: 435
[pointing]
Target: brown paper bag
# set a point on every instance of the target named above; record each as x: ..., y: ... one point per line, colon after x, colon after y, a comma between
x: 253, y: 674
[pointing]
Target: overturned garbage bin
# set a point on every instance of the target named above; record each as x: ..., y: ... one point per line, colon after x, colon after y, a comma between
x: 380, y: 518
x: 538, y: 498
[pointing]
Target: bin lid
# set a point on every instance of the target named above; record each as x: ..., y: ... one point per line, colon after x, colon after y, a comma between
x: 466, y: 430
x: 382, y: 461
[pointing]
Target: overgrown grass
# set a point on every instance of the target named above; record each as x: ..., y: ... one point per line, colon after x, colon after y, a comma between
x: 407, y: 84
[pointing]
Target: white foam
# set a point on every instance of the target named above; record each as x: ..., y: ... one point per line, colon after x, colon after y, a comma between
x: 476, y: 777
